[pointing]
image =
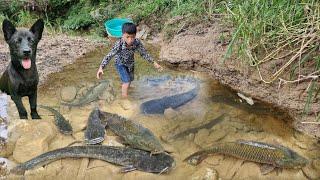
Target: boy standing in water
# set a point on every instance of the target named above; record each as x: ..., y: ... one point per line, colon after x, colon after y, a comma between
x: 123, y: 50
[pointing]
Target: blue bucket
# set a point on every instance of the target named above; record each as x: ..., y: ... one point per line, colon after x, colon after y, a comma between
x: 114, y: 26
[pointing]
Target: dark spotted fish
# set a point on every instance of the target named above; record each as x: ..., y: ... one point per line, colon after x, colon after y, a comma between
x: 95, y: 131
x: 131, y: 159
x: 62, y: 124
x: 158, y: 106
x: 133, y: 134
x: 92, y: 95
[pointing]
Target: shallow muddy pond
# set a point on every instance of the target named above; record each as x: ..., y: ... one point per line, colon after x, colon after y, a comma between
x: 237, y: 120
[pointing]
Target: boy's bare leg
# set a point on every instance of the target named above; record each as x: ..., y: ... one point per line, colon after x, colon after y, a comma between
x: 125, y: 87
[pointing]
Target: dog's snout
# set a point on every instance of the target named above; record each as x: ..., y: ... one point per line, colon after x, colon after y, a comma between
x: 26, y: 52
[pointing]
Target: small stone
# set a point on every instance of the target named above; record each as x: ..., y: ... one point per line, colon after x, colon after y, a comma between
x: 301, y: 145
x: 68, y: 93
x: 316, y: 164
x: 190, y: 137
x: 112, y: 141
x: 205, y: 174
x: 170, y: 114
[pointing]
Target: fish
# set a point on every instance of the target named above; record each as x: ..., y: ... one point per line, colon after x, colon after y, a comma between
x: 95, y: 131
x: 180, y: 134
x: 92, y: 95
x: 158, y: 106
x: 132, y: 133
x: 273, y: 155
x: 62, y: 124
x: 131, y: 159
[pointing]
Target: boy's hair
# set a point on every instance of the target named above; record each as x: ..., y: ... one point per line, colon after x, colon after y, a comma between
x: 129, y: 28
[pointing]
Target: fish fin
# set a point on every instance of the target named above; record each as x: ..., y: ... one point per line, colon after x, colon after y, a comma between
x: 127, y: 168
x: 266, y: 168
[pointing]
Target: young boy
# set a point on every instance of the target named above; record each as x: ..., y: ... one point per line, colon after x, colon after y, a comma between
x: 123, y: 50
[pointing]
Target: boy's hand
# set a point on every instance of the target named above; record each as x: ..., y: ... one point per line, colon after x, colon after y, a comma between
x: 157, y: 66
x: 100, y: 72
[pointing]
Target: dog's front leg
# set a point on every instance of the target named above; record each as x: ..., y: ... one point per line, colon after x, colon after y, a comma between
x: 22, y: 111
x: 33, y: 106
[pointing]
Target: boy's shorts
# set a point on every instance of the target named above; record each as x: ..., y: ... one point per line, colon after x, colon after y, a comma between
x: 124, y: 73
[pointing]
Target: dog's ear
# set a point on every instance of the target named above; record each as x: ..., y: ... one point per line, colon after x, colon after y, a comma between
x: 37, y: 29
x: 8, y: 29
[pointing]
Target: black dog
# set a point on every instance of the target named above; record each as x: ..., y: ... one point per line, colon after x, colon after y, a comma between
x: 21, y: 76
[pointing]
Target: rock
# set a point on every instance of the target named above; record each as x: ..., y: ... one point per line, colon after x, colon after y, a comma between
x: 7, y: 149
x: 301, y: 145
x: 112, y: 141
x: 205, y: 174
x: 170, y: 114
x: 190, y: 137
x: 78, y: 120
x: 316, y: 164
x: 311, y: 172
x: 68, y: 93
x: 70, y: 168
x: 60, y: 141
x: 201, y: 136
x: 142, y: 175
x: 103, y: 172
x: 34, y: 142
x: 125, y: 104
x: 249, y: 170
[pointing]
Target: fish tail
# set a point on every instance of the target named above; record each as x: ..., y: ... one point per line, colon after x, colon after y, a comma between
x: 197, y: 157
x: 47, y: 158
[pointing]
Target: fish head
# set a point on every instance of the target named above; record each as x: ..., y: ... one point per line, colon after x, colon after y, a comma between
x: 292, y: 160
x: 159, y: 163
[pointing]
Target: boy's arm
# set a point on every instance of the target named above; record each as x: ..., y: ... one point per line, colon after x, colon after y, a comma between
x: 143, y: 52
x: 115, y: 49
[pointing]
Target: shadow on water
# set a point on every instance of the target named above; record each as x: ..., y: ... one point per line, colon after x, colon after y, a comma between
x: 192, y: 121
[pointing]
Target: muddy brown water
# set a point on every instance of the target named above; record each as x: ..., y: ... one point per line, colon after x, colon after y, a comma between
x: 241, y: 121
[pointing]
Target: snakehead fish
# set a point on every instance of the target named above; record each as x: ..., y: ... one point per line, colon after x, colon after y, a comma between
x: 131, y: 159
x: 95, y: 131
x: 275, y: 155
x: 158, y: 106
x: 62, y: 124
x: 133, y: 134
x: 92, y: 95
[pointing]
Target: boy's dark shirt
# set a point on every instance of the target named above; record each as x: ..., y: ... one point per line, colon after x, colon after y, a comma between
x: 124, y: 55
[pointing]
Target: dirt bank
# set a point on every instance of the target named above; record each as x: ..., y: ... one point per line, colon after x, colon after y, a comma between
x: 200, y: 48
x: 53, y: 53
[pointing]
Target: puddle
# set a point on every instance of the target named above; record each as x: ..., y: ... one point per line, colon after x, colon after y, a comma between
x: 241, y: 121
